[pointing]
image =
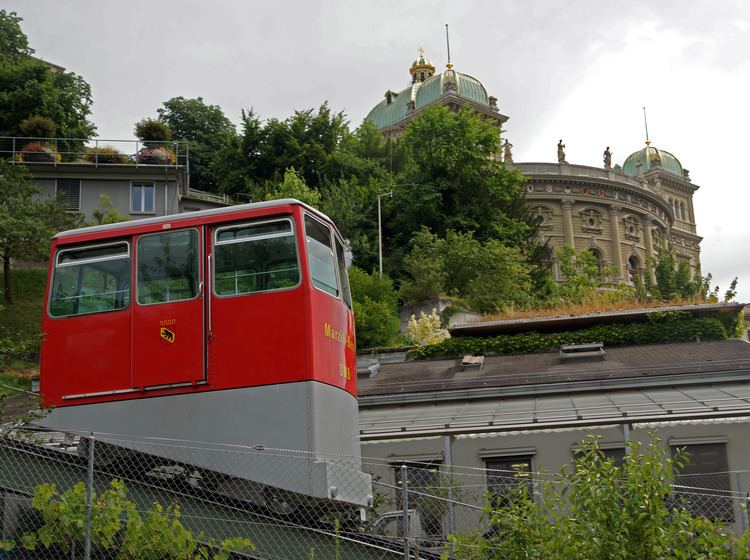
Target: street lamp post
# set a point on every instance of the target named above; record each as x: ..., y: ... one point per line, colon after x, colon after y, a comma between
x: 380, y: 232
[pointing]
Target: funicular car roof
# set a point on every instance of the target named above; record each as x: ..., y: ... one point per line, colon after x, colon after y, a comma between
x: 105, y: 229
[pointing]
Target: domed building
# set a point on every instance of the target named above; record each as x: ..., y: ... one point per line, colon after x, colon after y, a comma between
x: 450, y: 87
x: 622, y: 214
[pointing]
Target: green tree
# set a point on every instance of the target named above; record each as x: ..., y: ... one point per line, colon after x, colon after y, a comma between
x: 375, y: 308
x: 488, y: 276
x: 674, y: 279
x: 581, y: 274
x: 294, y: 187
x: 30, y: 87
x: 27, y: 221
x: 13, y: 41
x: 205, y: 128
x: 453, y: 181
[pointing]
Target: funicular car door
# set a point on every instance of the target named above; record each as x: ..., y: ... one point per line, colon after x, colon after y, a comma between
x: 168, y: 345
x: 256, y: 312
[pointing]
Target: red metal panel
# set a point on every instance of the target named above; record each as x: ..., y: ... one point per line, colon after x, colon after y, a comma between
x: 85, y: 353
x: 167, y: 338
x: 257, y: 338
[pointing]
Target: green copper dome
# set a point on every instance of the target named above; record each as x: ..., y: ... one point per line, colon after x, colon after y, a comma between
x: 392, y: 108
x: 649, y: 155
x: 395, y: 107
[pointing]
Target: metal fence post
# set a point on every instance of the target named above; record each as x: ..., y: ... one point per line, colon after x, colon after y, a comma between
x: 449, y: 472
x: 743, y: 504
x: 89, y: 499
x: 405, y: 506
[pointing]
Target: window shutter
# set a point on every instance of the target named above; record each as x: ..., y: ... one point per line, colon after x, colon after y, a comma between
x: 69, y: 194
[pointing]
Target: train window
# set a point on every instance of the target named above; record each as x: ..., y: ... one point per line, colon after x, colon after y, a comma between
x: 91, y: 280
x: 320, y: 256
x: 343, y: 278
x: 167, y: 267
x: 255, y: 257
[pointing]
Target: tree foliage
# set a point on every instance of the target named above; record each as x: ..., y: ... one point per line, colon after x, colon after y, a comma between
x: 375, y: 308
x: 598, y: 509
x: 119, y: 529
x: 30, y: 87
x: 13, y: 41
x: 205, y: 128
x: 27, y: 221
x: 294, y: 187
x: 488, y: 276
x: 453, y: 181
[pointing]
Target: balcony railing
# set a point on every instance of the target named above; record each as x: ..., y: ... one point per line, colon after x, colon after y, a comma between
x: 97, y: 152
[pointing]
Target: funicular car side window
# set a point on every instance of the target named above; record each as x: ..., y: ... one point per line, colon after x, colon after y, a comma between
x: 320, y: 256
x: 255, y: 257
x: 91, y: 279
x: 167, y: 267
x: 343, y: 278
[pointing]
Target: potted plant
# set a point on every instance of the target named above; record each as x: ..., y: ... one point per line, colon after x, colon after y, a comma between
x: 154, y: 134
x: 104, y: 154
x: 38, y: 129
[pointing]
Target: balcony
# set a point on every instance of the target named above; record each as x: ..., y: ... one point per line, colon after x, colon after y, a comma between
x: 95, y: 152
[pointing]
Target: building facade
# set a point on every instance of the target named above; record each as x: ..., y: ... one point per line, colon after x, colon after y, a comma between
x: 622, y: 214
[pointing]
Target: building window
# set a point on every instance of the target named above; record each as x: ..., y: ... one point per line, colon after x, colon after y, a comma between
x: 634, y: 268
x: 706, y: 469
x: 142, y: 198
x: 632, y: 228
x: 505, y: 474
x: 68, y: 193
x: 543, y: 216
x: 591, y: 220
x: 424, y: 481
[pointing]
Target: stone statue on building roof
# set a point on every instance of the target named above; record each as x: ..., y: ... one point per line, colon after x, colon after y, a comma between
x: 507, y: 154
x: 607, y: 158
x: 561, y: 152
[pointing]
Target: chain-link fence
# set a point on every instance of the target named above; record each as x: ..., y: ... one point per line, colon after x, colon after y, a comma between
x: 104, y: 496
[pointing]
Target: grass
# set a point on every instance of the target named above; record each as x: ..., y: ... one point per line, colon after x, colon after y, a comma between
x: 22, y: 320
x: 594, y: 305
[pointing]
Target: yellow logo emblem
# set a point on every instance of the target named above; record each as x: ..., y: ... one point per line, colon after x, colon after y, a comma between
x: 166, y: 334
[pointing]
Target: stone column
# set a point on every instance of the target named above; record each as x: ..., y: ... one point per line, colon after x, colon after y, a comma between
x: 567, y: 210
x: 648, y: 240
x: 614, y: 224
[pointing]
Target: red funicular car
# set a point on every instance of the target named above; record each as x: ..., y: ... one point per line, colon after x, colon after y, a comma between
x: 227, y: 326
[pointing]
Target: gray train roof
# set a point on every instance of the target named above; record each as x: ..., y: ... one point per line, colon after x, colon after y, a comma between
x: 190, y: 215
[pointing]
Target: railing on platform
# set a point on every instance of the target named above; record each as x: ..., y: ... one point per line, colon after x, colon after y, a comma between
x: 97, y: 152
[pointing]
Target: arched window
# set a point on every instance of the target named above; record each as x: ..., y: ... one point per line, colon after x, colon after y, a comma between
x: 634, y: 268
x: 599, y: 256
x: 683, y: 213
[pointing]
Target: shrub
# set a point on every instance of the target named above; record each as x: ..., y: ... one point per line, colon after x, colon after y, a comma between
x: 426, y: 329
x: 37, y: 126
x: 38, y: 152
x: 152, y: 130
x: 104, y: 154
x: 118, y: 528
x: 660, y: 327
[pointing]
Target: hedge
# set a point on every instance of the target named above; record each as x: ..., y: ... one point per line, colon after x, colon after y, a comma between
x: 659, y: 327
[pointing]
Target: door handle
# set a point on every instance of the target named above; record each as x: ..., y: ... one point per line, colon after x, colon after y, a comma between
x: 208, y: 296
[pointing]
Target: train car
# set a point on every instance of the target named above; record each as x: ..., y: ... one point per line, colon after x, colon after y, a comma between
x: 225, y: 327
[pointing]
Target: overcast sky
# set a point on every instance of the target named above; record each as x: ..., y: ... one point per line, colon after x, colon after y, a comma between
x: 576, y: 70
